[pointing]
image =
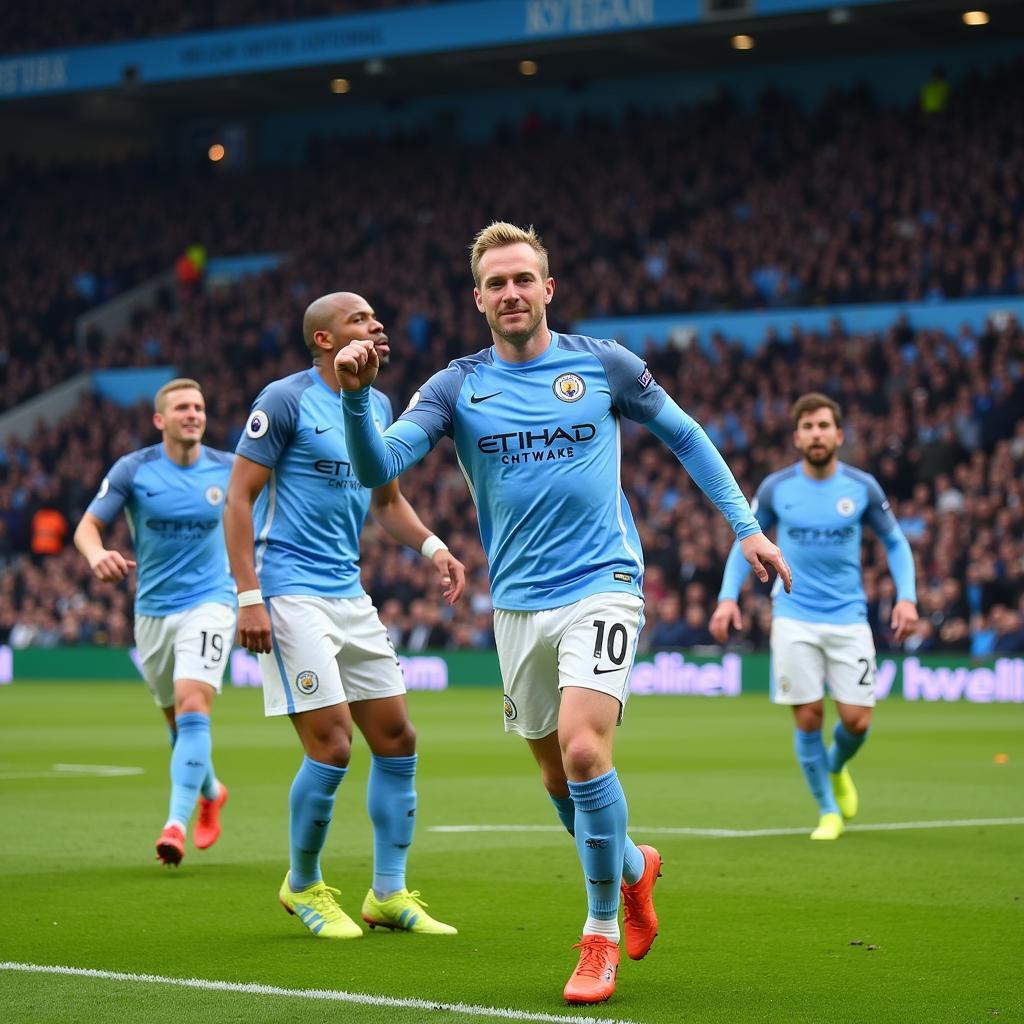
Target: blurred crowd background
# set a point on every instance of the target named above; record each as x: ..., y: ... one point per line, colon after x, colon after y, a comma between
x: 776, y: 206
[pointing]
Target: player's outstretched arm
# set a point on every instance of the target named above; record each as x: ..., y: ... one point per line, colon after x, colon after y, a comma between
x: 392, y: 510
x: 108, y: 566
x: 247, y: 479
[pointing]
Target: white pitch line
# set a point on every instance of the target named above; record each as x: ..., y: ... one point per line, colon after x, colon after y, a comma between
x: 63, y: 771
x: 325, y: 995
x: 731, y: 833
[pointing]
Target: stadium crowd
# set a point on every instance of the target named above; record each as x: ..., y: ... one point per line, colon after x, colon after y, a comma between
x: 777, y: 207
x: 850, y: 203
x: 935, y: 417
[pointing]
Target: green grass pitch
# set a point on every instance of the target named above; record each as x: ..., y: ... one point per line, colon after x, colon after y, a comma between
x: 769, y: 928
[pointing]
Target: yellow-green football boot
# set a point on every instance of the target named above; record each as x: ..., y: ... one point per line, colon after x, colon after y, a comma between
x: 845, y: 793
x: 830, y: 826
x: 317, y: 908
x: 402, y: 911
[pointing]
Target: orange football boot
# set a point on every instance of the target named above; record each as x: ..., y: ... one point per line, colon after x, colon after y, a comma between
x: 641, y: 921
x: 593, y: 981
x: 207, y: 830
x: 170, y: 847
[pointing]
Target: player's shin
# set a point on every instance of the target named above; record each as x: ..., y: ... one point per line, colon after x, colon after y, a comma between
x: 844, y: 745
x: 391, y: 803
x: 810, y: 752
x: 601, y: 816
x: 311, y: 804
x: 190, y: 758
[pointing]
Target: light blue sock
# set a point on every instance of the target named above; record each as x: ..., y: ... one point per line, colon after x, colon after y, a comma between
x: 810, y: 752
x: 844, y: 745
x: 633, y: 859
x: 633, y: 863
x: 391, y: 803
x: 189, y: 760
x: 566, y: 811
x: 600, y: 840
x: 310, y: 805
x: 209, y: 788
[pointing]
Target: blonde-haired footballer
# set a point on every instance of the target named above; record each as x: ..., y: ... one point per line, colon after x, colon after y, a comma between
x: 172, y: 495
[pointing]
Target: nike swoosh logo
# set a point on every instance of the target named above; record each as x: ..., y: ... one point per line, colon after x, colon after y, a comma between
x: 605, y: 671
x: 476, y: 399
x: 153, y: 494
x: 209, y: 666
x: 323, y: 430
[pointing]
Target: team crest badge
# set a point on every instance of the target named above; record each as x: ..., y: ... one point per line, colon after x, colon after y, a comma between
x: 510, y: 708
x: 845, y: 507
x: 258, y: 425
x: 307, y: 682
x: 569, y: 387
x: 214, y: 494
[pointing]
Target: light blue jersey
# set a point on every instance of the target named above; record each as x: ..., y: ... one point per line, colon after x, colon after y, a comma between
x: 539, y: 444
x: 175, y: 516
x: 308, y: 518
x: 819, y: 531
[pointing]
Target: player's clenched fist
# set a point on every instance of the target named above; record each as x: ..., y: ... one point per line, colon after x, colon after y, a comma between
x: 356, y: 365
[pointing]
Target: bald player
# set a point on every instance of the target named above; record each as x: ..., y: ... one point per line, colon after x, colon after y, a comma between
x: 294, y: 515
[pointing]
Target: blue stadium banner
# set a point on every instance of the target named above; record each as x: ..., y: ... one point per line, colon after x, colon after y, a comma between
x: 432, y: 29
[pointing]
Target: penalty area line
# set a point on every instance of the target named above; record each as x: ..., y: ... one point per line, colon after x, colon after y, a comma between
x: 731, y: 833
x: 323, y: 995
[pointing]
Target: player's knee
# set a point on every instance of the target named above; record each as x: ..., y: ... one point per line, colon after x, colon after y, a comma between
x: 333, y: 748
x: 583, y: 758
x: 403, y: 740
x: 857, y: 721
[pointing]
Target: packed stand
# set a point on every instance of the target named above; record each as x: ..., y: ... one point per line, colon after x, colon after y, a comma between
x: 936, y: 418
x: 774, y: 208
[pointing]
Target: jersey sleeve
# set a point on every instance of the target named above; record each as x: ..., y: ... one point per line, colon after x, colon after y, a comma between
x: 702, y: 460
x: 635, y: 392
x: 270, y: 427
x: 383, y: 410
x: 115, y: 491
x: 878, y: 513
x: 432, y: 408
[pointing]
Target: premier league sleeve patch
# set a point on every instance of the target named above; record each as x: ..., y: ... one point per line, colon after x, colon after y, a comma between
x: 258, y: 425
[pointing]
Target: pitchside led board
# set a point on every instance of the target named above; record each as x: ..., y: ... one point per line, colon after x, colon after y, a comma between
x: 668, y: 673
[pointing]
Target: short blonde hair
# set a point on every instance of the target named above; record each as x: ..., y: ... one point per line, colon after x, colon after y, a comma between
x: 500, y: 233
x: 178, y: 384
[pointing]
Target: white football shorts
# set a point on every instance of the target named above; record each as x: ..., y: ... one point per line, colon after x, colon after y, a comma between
x: 193, y: 644
x: 590, y: 643
x: 806, y: 655
x: 326, y: 650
